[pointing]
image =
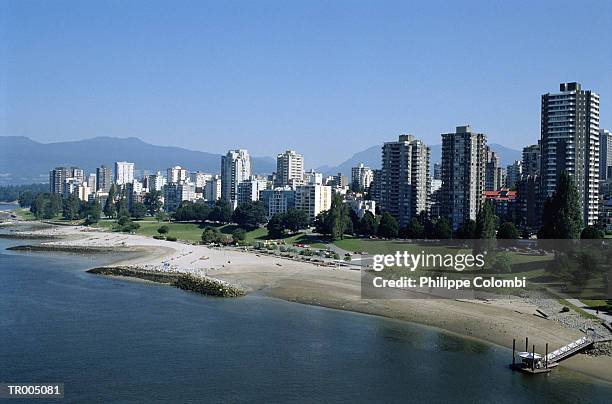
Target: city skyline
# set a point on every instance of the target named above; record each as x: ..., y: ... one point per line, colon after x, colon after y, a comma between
x: 221, y: 76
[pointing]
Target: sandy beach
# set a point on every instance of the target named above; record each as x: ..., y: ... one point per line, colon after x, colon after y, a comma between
x: 497, y: 322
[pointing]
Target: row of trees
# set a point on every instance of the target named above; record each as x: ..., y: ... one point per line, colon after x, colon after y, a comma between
x: 249, y: 215
x: 294, y: 220
x: 24, y: 194
x: 49, y: 206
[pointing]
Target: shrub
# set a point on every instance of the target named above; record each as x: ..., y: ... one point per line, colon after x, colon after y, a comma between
x: 565, y: 309
x: 170, y: 238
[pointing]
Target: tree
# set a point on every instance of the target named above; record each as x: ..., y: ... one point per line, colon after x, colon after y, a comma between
x: 163, y: 230
x: 503, y: 263
x: 161, y: 216
x: 467, y: 230
x: 368, y: 225
x: 138, y: 211
x: 562, y: 215
x: 388, y: 226
x: 442, y: 229
x: 508, y: 231
x: 486, y: 222
x: 338, y: 219
x: 250, y: 215
x: 122, y: 206
x: 322, y: 223
x: 72, y: 208
x: 415, y: 229
x: 353, y: 224
x: 38, y: 205
x: 295, y: 219
x: 152, y: 201
x: 26, y: 199
x: 93, y: 211
x: 125, y: 224
x: 276, y: 226
x: 109, y: 205
x: 591, y: 232
x: 238, y: 235
x: 222, y: 212
x: 211, y: 235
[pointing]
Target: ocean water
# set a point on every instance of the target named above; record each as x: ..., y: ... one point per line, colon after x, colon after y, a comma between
x: 111, y: 340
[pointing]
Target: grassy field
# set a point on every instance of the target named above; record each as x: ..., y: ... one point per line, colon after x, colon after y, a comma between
x: 24, y: 214
x: 192, y: 232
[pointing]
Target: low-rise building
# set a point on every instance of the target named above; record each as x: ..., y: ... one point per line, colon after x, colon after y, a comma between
x: 248, y: 190
x: 360, y: 206
x: 278, y: 200
x: 504, y: 202
x: 177, y: 192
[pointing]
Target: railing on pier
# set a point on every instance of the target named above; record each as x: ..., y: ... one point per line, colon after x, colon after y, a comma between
x: 569, y: 349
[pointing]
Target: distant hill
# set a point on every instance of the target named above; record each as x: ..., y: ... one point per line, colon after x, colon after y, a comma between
x: 371, y: 157
x: 23, y: 160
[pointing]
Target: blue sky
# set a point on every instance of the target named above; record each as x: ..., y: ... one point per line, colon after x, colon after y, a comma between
x: 327, y: 78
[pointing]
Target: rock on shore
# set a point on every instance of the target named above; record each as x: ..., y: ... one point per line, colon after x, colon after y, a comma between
x: 199, y: 284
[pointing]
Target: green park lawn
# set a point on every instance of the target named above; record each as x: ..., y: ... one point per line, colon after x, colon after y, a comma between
x: 192, y: 232
x: 24, y: 214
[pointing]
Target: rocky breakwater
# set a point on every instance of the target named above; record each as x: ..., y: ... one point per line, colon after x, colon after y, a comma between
x: 198, y: 284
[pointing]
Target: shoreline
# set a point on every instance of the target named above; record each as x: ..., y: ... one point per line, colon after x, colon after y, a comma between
x: 491, y: 322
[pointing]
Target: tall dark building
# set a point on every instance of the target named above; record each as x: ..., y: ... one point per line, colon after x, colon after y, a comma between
x: 104, y: 178
x: 529, y: 198
x: 570, y: 143
x: 605, y: 154
x: 464, y: 158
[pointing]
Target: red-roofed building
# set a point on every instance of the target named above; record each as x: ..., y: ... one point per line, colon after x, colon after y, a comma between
x: 504, y: 201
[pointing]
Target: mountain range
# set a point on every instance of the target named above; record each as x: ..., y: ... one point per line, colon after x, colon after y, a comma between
x: 23, y: 160
x: 371, y: 157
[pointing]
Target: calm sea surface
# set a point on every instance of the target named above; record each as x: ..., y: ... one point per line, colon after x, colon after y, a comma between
x: 111, y: 340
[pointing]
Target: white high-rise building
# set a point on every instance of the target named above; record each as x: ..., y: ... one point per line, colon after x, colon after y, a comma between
x: 362, y: 176
x: 464, y: 159
x: 176, y: 174
x: 83, y: 191
x: 313, y: 199
x: 199, y: 178
x: 312, y: 177
x: 570, y: 143
x: 289, y: 168
x: 124, y: 172
x: 235, y: 168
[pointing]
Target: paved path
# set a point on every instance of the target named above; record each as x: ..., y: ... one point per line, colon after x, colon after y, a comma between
x: 605, y: 317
